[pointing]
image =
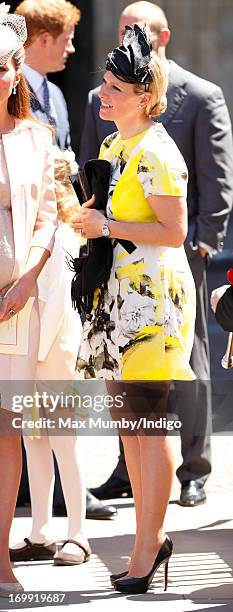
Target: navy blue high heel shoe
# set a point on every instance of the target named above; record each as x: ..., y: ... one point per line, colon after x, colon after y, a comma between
x: 141, y: 585
x: 114, y: 577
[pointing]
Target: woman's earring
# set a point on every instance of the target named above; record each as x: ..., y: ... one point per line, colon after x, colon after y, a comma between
x: 14, y: 90
x: 139, y: 106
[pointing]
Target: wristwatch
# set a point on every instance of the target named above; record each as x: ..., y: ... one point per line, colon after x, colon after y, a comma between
x: 105, y: 229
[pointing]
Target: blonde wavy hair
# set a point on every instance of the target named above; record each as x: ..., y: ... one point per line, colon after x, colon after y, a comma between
x: 158, y: 87
x: 67, y: 201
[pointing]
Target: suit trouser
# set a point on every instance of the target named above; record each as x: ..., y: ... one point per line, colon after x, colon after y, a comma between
x: 192, y: 400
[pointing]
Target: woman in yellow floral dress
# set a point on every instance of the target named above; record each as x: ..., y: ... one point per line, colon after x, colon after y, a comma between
x: 142, y: 323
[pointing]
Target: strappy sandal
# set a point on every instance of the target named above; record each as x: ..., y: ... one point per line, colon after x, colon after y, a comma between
x: 33, y: 552
x: 63, y: 558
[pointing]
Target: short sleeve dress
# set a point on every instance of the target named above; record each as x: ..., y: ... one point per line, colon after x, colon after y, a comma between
x: 142, y: 323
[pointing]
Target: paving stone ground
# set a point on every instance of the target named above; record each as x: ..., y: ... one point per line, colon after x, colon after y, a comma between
x: 201, y: 570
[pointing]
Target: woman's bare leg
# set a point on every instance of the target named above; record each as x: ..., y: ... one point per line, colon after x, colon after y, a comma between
x: 131, y: 447
x: 10, y: 473
x: 132, y: 457
x: 157, y: 469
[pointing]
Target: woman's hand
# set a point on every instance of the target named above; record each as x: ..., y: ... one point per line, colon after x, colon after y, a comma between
x: 216, y: 295
x: 88, y: 222
x: 16, y: 297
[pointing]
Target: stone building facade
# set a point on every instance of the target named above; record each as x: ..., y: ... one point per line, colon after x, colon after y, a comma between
x: 202, y: 41
x: 202, y: 36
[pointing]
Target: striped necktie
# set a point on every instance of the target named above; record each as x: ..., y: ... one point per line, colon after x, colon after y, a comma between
x: 46, y: 100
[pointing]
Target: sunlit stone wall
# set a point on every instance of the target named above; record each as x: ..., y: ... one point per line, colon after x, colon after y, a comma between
x: 202, y: 37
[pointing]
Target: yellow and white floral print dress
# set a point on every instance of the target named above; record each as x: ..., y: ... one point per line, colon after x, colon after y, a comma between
x: 142, y: 323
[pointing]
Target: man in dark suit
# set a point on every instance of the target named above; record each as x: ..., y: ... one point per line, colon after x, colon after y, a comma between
x: 51, y: 29
x: 197, y: 119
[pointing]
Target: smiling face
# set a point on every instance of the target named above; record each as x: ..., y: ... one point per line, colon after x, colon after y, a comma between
x: 118, y: 101
x: 8, y: 78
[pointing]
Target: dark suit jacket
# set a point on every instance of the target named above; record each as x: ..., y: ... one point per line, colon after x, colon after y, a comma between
x: 198, y: 120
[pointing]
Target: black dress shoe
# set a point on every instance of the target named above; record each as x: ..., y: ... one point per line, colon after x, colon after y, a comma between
x: 192, y: 494
x: 141, y: 585
x: 33, y: 552
x: 112, y: 488
x: 97, y: 510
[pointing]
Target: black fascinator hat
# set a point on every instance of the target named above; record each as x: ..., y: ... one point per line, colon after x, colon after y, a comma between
x: 130, y: 61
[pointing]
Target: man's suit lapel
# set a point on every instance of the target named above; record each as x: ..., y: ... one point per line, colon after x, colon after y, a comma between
x: 175, y: 94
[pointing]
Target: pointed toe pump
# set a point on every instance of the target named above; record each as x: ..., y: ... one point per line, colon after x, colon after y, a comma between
x: 114, y: 577
x: 141, y: 585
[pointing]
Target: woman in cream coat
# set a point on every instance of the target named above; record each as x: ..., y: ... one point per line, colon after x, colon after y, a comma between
x: 27, y: 225
x: 60, y: 333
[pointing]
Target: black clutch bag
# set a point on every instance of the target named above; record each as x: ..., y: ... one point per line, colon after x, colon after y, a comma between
x: 93, y: 269
x: 93, y: 178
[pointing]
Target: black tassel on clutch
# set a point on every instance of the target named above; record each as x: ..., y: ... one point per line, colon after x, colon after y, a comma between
x: 91, y: 271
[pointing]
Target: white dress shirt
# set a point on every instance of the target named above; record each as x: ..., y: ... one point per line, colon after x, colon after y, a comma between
x: 35, y: 80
